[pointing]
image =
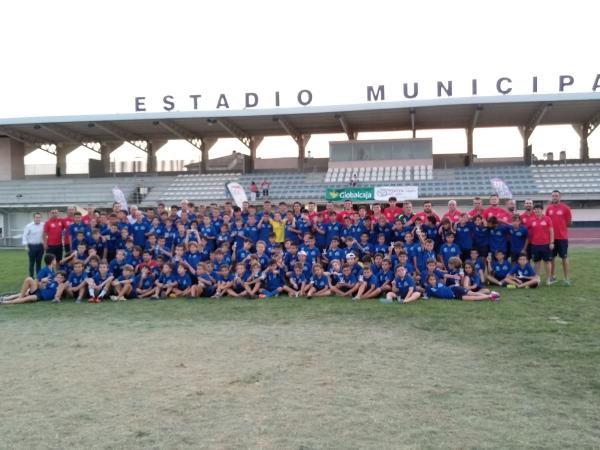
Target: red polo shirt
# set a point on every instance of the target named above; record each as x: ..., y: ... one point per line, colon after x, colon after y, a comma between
x: 539, y: 230
x: 391, y: 213
x: 527, y: 217
x: 66, y: 221
x: 53, y: 228
x: 498, y: 212
x: 560, y: 214
x: 453, y: 216
x: 475, y: 212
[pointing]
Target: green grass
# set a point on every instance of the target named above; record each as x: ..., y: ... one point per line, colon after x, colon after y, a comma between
x: 325, y: 373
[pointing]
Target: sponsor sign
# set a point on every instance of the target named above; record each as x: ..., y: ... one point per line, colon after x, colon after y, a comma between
x: 383, y: 193
x: 359, y: 194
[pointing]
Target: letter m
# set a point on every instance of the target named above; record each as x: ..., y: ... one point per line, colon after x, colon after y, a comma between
x: 372, y: 95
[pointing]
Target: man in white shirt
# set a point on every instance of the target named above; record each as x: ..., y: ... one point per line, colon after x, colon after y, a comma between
x: 33, y: 242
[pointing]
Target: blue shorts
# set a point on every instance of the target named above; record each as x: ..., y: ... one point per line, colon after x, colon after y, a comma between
x: 561, y: 248
x: 459, y: 292
x: 541, y: 253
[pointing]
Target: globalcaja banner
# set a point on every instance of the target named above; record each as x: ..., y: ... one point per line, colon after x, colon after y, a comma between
x: 360, y: 194
x: 367, y: 194
x: 383, y: 193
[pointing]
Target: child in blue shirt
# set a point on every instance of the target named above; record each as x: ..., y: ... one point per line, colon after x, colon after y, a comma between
x: 449, y: 249
x: 498, y: 269
x: 320, y: 285
x: 518, y: 238
x: 298, y: 282
x: 238, y: 285
x: 522, y: 274
x: 369, y: 286
x: 144, y: 283
x: 273, y: 281
x: 472, y: 281
x: 183, y: 288
x: 436, y: 289
x: 124, y: 285
x: 403, y: 287
x: 347, y: 285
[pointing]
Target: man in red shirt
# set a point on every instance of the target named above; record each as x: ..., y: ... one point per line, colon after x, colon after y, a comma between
x: 53, y: 229
x: 312, y: 211
x: 66, y: 222
x: 561, y: 217
x: 348, y: 211
x: 527, y: 215
x: 497, y: 211
x: 392, y: 211
x: 427, y: 211
x: 329, y: 208
x: 453, y: 213
x: 477, y: 208
x: 541, y: 236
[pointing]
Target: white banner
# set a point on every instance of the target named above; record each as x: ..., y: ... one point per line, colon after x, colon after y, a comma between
x: 383, y: 193
x: 237, y: 193
x: 501, y: 188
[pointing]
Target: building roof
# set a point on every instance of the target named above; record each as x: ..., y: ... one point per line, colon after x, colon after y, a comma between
x: 447, y: 113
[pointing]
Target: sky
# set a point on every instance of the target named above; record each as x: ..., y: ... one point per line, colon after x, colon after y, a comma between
x: 73, y: 57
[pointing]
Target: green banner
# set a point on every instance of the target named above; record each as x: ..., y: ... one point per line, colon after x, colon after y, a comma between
x: 350, y: 193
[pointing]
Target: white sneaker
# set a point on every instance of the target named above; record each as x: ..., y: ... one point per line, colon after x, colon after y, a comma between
x: 567, y: 282
x: 551, y: 281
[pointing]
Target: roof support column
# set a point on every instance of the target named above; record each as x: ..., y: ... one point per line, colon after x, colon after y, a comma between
x: 470, y: 130
x: 302, y: 141
x: 205, y: 146
x: 62, y: 150
x: 469, y: 161
x: 583, y: 131
x: 527, y: 130
x: 106, y: 148
x: 151, y: 149
x: 12, y: 163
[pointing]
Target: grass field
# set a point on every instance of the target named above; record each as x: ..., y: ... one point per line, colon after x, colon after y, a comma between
x: 300, y: 374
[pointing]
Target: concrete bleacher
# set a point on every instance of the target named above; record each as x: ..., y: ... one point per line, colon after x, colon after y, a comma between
x: 63, y: 191
x: 573, y: 178
x: 536, y: 180
x: 196, y: 187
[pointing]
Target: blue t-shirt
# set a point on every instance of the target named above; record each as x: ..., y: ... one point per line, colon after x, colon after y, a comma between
x: 448, y: 251
x: 184, y: 281
x: 440, y: 291
x: 520, y: 272
x: 464, y: 235
x: 49, y: 291
x: 138, y: 232
x: 404, y: 284
x: 481, y: 237
x: 518, y: 237
x: 146, y: 283
x: 500, y: 270
x: 76, y: 280
x: 298, y: 279
x: 384, y: 276
x: 46, y: 272
x: 116, y: 267
x: 319, y: 283
x: 332, y: 230
x: 372, y: 281
x: 498, y: 238
x: 273, y: 280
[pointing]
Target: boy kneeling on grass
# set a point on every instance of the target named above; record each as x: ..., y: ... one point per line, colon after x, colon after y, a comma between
x: 320, y: 284
x: 522, y: 274
x: 48, y: 289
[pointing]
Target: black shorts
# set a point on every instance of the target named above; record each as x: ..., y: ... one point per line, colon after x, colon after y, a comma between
x: 465, y: 254
x: 541, y: 253
x: 561, y: 248
x: 483, y: 250
x: 459, y: 291
x: 524, y: 280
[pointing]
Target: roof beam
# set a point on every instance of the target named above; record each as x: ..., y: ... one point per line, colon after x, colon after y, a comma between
x: 249, y: 141
x: 117, y: 132
x: 180, y: 132
x: 534, y: 120
x: 346, y: 127
x: 23, y: 136
x: 71, y: 136
x: 593, y: 123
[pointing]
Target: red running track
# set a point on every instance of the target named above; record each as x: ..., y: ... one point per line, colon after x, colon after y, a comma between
x: 584, y: 236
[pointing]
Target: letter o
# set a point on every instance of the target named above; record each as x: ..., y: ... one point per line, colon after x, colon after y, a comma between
x: 305, y: 93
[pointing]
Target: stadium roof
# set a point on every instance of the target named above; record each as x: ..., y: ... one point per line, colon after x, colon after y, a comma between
x: 499, y: 111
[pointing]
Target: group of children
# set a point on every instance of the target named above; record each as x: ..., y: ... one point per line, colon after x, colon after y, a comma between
x: 218, y: 255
